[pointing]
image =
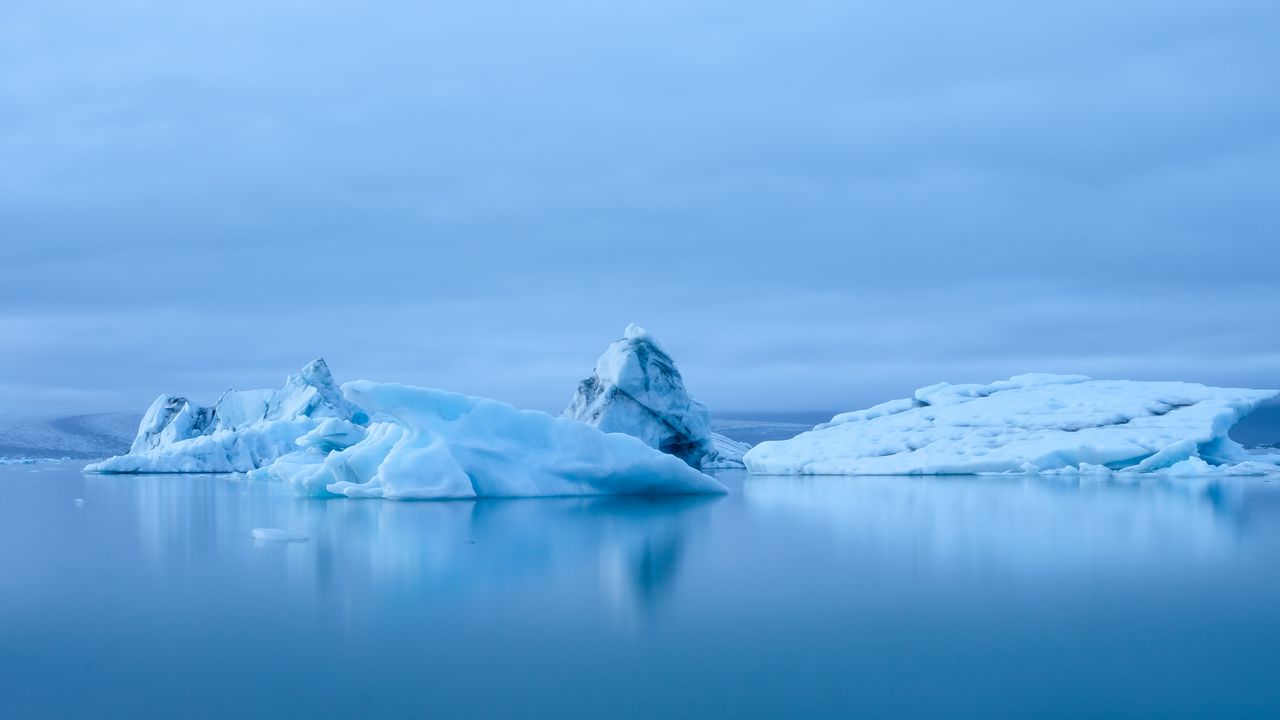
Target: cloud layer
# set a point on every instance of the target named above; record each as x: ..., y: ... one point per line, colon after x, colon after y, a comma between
x: 816, y: 206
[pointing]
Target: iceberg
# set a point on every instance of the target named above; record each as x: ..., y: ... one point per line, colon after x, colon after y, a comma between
x: 637, y: 390
x: 242, y: 431
x: 1039, y: 423
x: 429, y: 444
x: 725, y: 454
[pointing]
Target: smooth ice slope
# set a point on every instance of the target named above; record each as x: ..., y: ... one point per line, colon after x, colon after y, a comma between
x: 244, y: 430
x: 1028, y: 424
x: 432, y: 444
x: 637, y: 390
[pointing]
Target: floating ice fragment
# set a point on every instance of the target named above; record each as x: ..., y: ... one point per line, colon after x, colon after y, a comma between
x: 1048, y: 424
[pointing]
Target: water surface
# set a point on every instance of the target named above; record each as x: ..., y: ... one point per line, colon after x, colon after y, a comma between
x: 960, y: 597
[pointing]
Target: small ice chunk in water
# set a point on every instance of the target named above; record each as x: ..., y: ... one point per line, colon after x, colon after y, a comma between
x: 277, y: 535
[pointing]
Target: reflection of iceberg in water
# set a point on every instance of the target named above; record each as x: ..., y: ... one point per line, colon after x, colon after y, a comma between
x: 634, y: 544
x: 636, y: 575
x: 454, y: 545
x: 183, y: 520
x: 625, y: 550
x: 1030, y: 523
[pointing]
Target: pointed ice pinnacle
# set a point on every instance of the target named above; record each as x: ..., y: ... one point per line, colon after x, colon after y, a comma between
x: 158, y: 419
x: 637, y: 390
x: 312, y: 393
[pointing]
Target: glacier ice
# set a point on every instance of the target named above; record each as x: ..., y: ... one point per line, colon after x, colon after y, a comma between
x: 242, y: 431
x: 1035, y: 423
x: 637, y: 390
x: 725, y: 453
x: 28, y: 460
x: 431, y: 444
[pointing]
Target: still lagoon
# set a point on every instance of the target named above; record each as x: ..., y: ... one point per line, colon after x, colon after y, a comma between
x: 126, y: 596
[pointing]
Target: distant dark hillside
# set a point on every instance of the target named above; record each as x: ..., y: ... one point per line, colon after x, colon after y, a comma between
x: 26, y: 435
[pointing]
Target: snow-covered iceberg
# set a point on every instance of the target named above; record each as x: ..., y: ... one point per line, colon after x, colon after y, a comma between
x: 432, y: 444
x: 637, y: 390
x: 1030, y: 424
x: 242, y: 431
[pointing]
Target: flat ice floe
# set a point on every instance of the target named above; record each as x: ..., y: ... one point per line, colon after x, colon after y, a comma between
x: 430, y: 444
x: 244, y: 430
x: 636, y: 389
x: 1031, y: 424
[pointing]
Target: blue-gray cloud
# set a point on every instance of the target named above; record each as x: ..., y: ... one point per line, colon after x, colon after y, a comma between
x: 814, y: 206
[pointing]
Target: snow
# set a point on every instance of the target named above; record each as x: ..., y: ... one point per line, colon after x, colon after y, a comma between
x: 886, y: 408
x: 242, y: 431
x: 432, y: 444
x: 1031, y: 424
x: 636, y: 389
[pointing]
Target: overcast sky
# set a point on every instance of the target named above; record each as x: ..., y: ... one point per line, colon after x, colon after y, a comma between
x: 813, y: 204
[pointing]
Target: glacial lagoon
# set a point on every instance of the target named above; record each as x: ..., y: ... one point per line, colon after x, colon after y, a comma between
x: 127, y: 596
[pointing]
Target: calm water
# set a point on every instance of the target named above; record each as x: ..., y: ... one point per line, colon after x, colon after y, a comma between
x: 791, y: 597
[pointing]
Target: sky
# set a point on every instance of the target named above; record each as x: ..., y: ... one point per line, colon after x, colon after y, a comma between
x: 813, y: 204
